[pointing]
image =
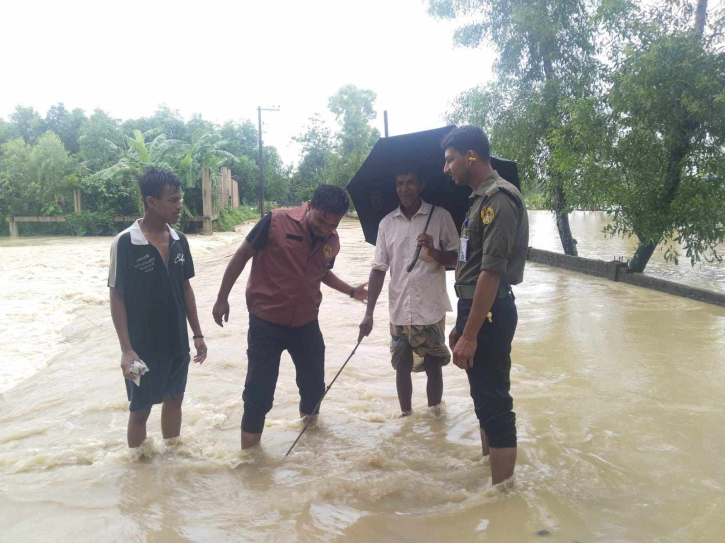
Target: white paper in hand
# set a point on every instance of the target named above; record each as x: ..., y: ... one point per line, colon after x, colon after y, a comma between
x: 138, y: 368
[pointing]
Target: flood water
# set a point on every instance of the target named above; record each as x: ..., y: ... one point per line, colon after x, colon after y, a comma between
x: 618, y: 394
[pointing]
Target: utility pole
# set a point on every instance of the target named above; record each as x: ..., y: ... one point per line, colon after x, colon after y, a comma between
x: 385, y: 118
x: 260, y: 109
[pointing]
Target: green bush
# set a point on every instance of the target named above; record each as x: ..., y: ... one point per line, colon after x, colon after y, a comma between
x: 232, y: 216
x: 91, y: 223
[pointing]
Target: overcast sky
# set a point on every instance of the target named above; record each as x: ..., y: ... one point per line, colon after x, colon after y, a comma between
x: 223, y: 59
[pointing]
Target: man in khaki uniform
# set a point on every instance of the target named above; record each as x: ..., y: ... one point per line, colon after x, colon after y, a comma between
x: 491, y: 258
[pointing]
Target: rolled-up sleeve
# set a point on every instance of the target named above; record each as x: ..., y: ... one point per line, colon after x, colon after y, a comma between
x: 380, y: 259
x: 449, y: 234
x: 499, y: 236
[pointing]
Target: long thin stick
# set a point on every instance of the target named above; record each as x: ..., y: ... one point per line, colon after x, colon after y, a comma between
x: 314, y: 411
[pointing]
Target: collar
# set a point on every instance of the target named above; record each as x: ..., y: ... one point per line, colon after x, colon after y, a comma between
x: 298, y: 213
x: 137, y: 237
x: 483, y: 187
x: 424, y: 209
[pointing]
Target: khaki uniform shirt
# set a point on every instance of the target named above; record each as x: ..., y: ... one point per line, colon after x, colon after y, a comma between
x: 497, y: 231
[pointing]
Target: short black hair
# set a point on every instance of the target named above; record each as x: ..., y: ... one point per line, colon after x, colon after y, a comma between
x: 331, y: 199
x: 468, y: 138
x: 408, y: 166
x: 153, y: 181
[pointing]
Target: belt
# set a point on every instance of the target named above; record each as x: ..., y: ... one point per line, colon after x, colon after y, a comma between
x: 466, y: 292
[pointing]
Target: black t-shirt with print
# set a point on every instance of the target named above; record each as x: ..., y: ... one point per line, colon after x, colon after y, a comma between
x: 153, y: 292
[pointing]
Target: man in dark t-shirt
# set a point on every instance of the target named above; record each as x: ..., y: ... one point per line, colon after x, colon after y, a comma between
x: 151, y: 300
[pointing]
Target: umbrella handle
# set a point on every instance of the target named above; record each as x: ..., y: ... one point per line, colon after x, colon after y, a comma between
x: 418, y: 248
x: 415, y: 259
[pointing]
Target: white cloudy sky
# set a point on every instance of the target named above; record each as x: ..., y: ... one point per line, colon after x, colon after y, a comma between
x: 223, y: 59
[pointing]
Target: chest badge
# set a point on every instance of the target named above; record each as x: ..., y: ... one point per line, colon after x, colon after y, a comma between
x: 487, y: 215
x: 328, y: 252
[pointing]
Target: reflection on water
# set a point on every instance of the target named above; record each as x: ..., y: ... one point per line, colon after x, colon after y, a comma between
x: 617, y: 392
x: 586, y: 227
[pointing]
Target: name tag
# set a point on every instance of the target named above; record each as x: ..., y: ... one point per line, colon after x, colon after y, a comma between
x: 463, y: 250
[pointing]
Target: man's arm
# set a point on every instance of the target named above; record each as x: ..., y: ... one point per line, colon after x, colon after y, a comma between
x: 231, y: 274
x: 120, y: 323
x: 447, y: 234
x: 376, y: 281
x: 483, y: 298
x: 334, y: 282
x: 193, y: 318
x: 449, y: 259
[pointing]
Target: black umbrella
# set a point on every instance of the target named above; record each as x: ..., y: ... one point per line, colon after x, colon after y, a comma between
x: 373, y: 187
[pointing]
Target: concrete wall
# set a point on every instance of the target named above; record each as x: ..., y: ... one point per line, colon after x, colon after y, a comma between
x: 617, y: 271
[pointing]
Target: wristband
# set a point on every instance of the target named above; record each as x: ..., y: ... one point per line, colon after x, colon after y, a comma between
x: 199, y: 337
x: 352, y: 292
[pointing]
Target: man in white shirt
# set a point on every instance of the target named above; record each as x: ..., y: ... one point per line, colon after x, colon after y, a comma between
x: 418, y: 300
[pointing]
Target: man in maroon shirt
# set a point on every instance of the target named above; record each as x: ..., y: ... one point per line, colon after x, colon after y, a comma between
x: 292, y: 252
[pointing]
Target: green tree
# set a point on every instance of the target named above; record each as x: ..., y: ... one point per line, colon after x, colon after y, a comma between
x: 16, y: 180
x: 66, y: 124
x: 276, y: 177
x: 170, y: 122
x: 137, y: 154
x: 164, y: 121
x: 100, y: 141
x: 354, y: 109
x: 659, y: 135
x: 241, y: 140
x: 49, y: 164
x: 316, y: 156
x: 33, y: 178
x: 115, y: 184
x: 8, y: 131
x: 246, y: 172
x: 547, y: 54
x: 198, y: 123
x: 28, y: 122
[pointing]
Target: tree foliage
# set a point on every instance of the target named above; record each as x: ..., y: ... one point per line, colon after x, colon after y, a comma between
x: 547, y: 53
x: 43, y: 159
x: 607, y: 104
x: 651, y: 145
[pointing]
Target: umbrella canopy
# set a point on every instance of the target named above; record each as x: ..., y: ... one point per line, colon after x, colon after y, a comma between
x: 373, y: 187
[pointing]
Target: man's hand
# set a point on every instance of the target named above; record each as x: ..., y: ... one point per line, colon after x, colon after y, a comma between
x: 221, y: 309
x: 426, y: 241
x: 366, y: 326
x: 128, y: 358
x: 361, y: 293
x: 463, y: 352
x: 453, y: 338
x: 200, y: 347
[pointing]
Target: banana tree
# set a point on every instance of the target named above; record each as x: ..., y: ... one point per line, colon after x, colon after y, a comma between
x: 137, y: 154
x: 204, y: 151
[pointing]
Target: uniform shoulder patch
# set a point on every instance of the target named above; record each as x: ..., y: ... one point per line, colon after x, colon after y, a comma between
x: 328, y: 251
x: 487, y: 215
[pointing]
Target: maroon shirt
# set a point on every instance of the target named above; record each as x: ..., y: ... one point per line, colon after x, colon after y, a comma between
x: 284, y: 284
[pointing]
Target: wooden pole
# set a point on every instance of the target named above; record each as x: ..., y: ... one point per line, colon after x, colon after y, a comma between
x: 206, y: 194
x: 78, y: 200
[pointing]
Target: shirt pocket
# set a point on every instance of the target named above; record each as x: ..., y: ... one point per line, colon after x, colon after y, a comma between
x: 475, y: 233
